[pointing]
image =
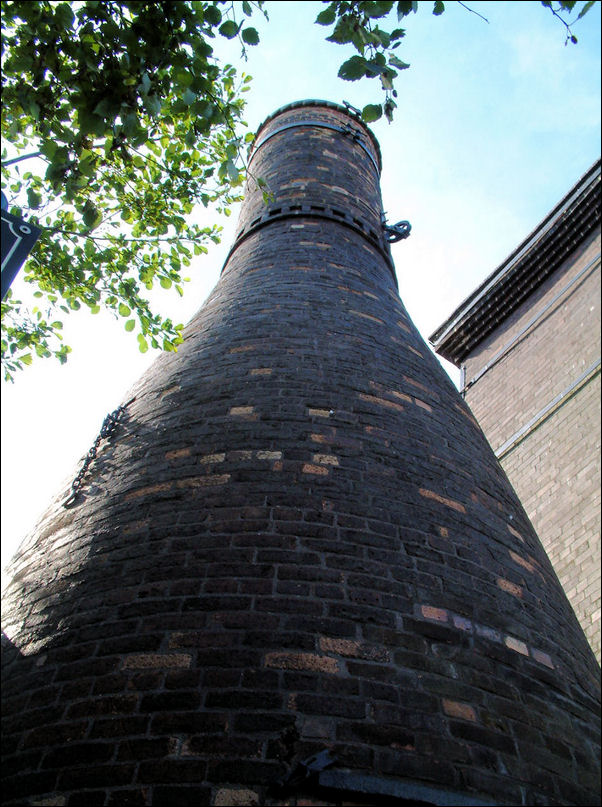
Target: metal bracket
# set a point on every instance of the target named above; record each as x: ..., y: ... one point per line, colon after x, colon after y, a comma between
x: 308, y: 769
x: 356, y: 135
x: 353, y: 110
x: 397, y: 232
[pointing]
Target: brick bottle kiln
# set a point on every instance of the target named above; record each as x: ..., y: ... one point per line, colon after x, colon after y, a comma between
x: 295, y: 573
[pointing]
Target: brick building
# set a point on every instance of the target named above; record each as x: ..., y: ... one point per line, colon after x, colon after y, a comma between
x: 296, y: 573
x: 528, y: 345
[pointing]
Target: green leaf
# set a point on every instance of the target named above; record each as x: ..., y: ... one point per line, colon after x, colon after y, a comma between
x: 353, y: 69
x: 152, y: 104
x: 34, y: 199
x: 184, y: 78
x: 130, y: 324
x: 377, y: 9
x: 343, y: 31
x: 64, y: 15
x: 142, y: 343
x: 91, y: 215
x: 439, y: 8
x: 250, y: 36
x: 246, y: 8
x: 165, y: 282
x: 233, y: 172
x: 586, y: 8
x: 398, y: 63
x: 371, y: 112
x: 328, y: 16
x: 188, y: 97
x: 390, y: 105
x: 212, y: 15
x: 124, y: 311
x: 229, y: 29
x: 404, y: 8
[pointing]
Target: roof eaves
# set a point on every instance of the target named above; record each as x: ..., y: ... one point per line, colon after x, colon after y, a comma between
x: 494, y: 299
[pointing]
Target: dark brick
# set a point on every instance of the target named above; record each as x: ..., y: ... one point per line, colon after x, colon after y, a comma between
x: 285, y: 605
x: 375, y: 734
x: 431, y: 769
x: 172, y: 771
x: 260, y: 679
x: 170, y: 701
x: 119, y: 727
x: 78, y: 754
x: 143, y: 749
x: 257, y: 722
x: 31, y: 718
x: 245, y: 772
x: 55, y: 734
x: 130, y: 644
x: 485, y: 782
x: 12, y: 764
x: 278, y: 639
x: 132, y: 797
x: 188, y: 722
x: 221, y: 677
x: 228, y: 658
x: 96, y: 776
x: 90, y: 667
x: 94, y: 798
x: 145, y: 681
x: 108, y: 684
x: 232, y: 699
x: 372, y: 690
x: 300, y: 681
x: 233, y: 747
x: 111, y: 705
x: 329, y: 705
x: 169, y: 796
x: 182, y: 679
x: 486, y: 737
x: 19, y: 786
x: 72, y: 690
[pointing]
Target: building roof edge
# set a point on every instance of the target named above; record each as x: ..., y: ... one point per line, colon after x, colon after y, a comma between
x: 535, y: 258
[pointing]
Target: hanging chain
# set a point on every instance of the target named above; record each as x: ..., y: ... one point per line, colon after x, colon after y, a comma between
x: 108, y: 427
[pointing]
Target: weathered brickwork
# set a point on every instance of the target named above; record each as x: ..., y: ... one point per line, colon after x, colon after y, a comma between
x: 555, y: 467
x: 297, y: 542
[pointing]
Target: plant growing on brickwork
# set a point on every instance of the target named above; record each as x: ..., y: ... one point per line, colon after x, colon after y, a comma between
x: 357, y: 23
x: 133, y: 123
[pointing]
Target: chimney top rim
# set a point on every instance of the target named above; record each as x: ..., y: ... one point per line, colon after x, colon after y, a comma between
x: 317, y: 102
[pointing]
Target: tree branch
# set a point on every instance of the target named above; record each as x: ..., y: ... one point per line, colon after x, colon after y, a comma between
x: 472, y: 11
x: 24, y: 157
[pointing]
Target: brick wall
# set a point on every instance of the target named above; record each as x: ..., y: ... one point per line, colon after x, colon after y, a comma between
x: 297, y: 542
x: 555, y: 468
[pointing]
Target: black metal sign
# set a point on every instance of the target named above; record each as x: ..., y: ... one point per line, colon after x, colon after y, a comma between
x: 18, y: 238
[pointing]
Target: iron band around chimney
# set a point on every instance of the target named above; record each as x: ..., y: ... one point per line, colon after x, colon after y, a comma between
x: 348, y: 130
x: 280, y: 212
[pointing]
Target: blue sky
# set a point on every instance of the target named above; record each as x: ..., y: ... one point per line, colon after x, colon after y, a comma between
x: 496, y: 122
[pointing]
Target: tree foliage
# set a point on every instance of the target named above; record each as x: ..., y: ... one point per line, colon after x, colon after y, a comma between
x: 135, y: 124
x: 361, y: 25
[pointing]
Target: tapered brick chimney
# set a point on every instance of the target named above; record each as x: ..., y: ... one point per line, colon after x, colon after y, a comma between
x: 296, y: 573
